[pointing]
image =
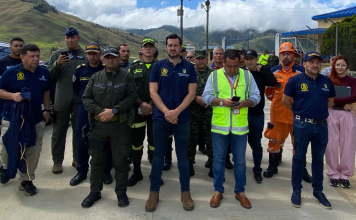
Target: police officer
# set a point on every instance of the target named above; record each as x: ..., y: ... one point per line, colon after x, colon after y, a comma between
x: 124, y: 51
x: 61, y: 66
x: 141, y: 71
x: 201, y: 112
x: 273, y: 60
x: 312, y: 95
x: 108, y: 98
x: 81, y: 79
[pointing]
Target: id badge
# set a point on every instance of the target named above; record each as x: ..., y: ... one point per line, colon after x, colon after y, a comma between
x: 236, y: 111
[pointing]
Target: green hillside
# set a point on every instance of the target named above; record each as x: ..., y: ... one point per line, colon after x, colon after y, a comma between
x: 18, y: 18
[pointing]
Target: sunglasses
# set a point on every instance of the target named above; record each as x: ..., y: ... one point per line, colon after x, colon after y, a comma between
x: 189, y: 57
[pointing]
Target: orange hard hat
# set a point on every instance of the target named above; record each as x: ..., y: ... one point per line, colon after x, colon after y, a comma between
x: 286, y: 46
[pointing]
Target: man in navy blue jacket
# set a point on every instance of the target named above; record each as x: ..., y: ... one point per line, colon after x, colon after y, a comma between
x: 36, y: 79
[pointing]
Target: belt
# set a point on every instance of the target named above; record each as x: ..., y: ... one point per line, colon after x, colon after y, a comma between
x: 309, y: 120
x: 121, y: 118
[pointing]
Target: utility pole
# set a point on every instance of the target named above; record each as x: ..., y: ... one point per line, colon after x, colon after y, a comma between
x: 207, y: 4
x: 181, y: 20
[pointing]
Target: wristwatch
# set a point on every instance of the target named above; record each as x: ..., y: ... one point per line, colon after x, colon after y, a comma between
x: 114, y: 111
x: 221, y: 102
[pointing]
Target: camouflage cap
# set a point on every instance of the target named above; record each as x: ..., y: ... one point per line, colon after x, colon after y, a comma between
x: 200, y: 53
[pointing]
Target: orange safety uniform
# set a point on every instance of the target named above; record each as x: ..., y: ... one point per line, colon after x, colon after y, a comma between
x: 281, y: 117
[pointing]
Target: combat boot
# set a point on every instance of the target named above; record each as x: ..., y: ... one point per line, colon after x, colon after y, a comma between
x: 279, y: 159
x: 272, y: 168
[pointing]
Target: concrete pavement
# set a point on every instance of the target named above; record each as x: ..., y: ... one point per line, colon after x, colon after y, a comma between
x: 56, y: 199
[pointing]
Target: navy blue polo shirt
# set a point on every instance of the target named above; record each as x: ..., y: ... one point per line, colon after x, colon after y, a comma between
x: 173, y: 82
x: 16, y: 78
x: 310, y: 97
x: 82, y: 75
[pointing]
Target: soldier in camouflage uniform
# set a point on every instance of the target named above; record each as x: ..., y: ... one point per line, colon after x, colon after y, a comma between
x: 201, y: 112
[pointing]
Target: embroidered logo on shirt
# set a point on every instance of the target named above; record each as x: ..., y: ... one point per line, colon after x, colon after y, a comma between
x: 43, y: 79
x: 183, y: 74
x: 20, y: 76
x: 164, y: 72
x: 184, y: 71
x: 326, y: 86
x: 304, y: 87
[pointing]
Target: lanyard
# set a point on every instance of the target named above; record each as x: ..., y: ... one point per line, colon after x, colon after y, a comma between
x: 231, y: 84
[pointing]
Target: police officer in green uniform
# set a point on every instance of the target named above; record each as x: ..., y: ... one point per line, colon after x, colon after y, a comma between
x: 201, y: 112
x: 141, y: 70
x: 62, y: 66
x: 108, y: 98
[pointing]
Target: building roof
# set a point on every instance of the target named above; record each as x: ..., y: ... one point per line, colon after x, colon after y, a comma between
x: 213, y: 47
x: 337, y: 14
x: 304, y: 32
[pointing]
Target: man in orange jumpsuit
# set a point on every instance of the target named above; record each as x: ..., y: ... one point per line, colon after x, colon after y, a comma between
x: 281, y: 117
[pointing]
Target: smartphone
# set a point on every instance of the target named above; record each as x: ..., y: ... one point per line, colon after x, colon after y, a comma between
x: 235, y: 99
x: 64, y: 53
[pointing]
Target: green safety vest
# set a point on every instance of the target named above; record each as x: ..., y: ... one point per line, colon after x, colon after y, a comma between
x: 224, y: 121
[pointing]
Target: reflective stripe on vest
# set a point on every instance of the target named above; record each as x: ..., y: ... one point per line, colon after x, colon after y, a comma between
x: 224, y: 121
x: 139, y: 125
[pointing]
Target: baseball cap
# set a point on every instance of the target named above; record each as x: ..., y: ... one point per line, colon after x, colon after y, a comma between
x: 311, y: 55
x: 298, y: 52
x: 250, y: 53
x: 184, y: 48
x: 111, y: 51
x: 200, y: 53
x: 147, y: 40
x: 92, y: 47
x: 70, y: 32
x: 140, y: 53
x: 273, y: 51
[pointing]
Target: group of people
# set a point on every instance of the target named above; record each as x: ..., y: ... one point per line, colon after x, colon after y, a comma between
x: 112, y: 103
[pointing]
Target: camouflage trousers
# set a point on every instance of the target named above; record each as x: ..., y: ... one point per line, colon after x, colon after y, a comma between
x: 200, y: 120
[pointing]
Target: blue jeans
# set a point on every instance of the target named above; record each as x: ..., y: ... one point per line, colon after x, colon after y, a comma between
x: 255, y: 124
x: 304, y: 133
x: 161, y: 132
x: 238, y: 149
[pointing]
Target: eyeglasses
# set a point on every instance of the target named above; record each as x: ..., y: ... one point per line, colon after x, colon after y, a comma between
x: 189, y: 57
x: 341, y: 65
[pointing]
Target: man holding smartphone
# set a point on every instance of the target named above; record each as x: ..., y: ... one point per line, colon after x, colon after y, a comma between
x: 230, y: 91
x: 62, y: 66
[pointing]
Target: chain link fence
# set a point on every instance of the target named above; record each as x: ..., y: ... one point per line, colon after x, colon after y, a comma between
x: 344, y: 43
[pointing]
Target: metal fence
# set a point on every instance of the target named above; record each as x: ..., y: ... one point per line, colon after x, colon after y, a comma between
x: 340, y: 39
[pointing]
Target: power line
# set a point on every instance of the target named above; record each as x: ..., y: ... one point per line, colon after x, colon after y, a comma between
x: 159, y: 11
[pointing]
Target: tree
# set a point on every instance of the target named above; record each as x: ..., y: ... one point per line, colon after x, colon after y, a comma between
x: 346, y: 40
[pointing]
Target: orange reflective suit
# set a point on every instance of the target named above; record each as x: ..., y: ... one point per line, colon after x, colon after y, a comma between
x: 281, y: 116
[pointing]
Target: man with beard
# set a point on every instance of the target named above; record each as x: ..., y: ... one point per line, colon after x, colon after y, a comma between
x: 173, y: 84
x: 124, y: 51
x: 312, y: 95
x: 281, y: 117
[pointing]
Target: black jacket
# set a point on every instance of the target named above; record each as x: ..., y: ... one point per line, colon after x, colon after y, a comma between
x: 263, y: 79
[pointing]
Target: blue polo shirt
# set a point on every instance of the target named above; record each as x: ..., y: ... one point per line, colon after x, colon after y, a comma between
x: 173, y: 84
x: 16, y: 78
x: 310, y: 97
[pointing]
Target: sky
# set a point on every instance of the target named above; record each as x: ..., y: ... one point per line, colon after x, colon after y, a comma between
x: 288, y: 15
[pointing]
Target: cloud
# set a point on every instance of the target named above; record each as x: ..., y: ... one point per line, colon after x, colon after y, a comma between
x: 224, y: 14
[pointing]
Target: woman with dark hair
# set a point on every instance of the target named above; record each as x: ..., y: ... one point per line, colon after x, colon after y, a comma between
x: 340, y: 151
